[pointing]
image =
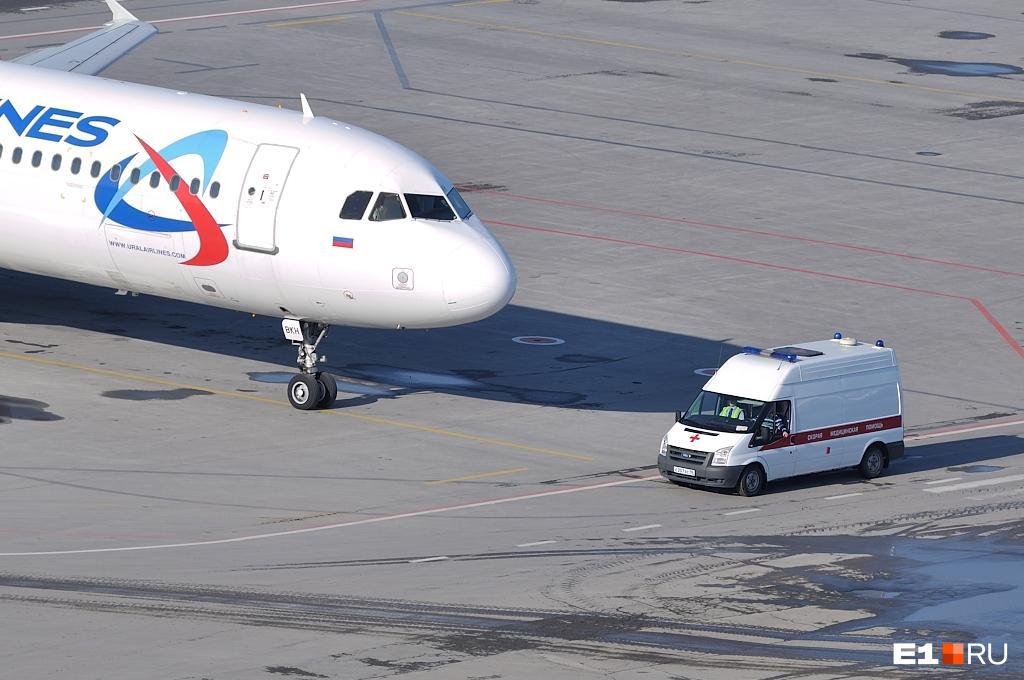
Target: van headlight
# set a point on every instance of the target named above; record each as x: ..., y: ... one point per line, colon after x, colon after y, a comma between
x: 664, y: 446
x: 721, y: 456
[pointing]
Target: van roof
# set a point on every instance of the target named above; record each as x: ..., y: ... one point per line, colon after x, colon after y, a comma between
x: 759, y: 376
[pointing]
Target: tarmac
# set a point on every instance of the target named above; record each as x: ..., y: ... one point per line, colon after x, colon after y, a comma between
x: 673, y: 180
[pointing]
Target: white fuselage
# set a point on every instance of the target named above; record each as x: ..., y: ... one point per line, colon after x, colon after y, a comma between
x: 270, y: 184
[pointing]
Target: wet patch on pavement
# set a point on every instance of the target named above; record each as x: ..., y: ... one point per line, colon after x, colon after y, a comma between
x: 155, y: 395
x: 965, y: 35
x: 986, y: 110
x: 967, y: 69
x: 16, y: 408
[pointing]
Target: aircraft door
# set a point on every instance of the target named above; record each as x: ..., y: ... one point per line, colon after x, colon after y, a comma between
x: 256, y: 226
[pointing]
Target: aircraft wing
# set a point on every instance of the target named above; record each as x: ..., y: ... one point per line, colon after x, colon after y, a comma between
x: 92, y: 53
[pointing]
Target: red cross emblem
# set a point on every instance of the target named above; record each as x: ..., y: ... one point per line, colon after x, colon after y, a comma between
x: 694, y: 438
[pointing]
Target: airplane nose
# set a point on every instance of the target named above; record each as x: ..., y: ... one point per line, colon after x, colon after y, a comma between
x: 479, y: 280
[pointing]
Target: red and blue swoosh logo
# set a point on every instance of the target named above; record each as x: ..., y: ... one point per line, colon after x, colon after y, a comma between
x: 110, y: 196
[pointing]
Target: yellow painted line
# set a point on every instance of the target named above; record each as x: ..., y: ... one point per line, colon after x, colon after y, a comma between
x: 56, y: 363
x: 482, y: 475
x: 306, y: 22
x: 478, y: 2
x: 705, y: 57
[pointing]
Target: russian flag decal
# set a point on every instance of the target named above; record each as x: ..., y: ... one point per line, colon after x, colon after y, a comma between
x: 342, y: 242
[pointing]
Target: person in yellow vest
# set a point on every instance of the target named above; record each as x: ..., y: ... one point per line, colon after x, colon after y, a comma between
x: 731, y: 410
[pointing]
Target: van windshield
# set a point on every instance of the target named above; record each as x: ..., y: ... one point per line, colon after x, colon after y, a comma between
x: 723, y: 412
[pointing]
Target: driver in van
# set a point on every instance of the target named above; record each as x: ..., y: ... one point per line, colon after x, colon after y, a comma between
x: 777, y: 420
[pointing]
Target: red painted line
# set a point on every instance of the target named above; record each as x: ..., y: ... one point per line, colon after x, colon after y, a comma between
x: 729, y: 258
x: 1014, y: 345
x: 759, y: 232
x: 217, y: 15
x: 998, y: 326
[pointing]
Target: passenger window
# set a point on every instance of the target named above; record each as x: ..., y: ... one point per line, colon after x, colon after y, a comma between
x: 16, y: 156
x: 426, y: 207
x: 215, y: 190
x: 95, y: 169
x: 76, y: 166
x: 154, y: 180
x: 136, y: 175
x: 459, y: 204
x: 194, y: 186
x: 355, y: 205
x: 115, y: 173
x: 388, y: 207
x: 37, y: 159
x: 55, y: 163
x: 1, y: 150
x: 175, y: 183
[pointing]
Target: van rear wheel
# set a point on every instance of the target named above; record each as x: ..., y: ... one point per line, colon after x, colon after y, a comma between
x: 872, y: 463
x: 752, y: 481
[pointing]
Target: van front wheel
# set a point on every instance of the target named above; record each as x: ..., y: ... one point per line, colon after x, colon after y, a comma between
x: 872, y: 463
x: 752, y: 481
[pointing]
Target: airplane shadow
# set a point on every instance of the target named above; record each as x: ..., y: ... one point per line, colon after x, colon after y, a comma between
x: 601, y: 365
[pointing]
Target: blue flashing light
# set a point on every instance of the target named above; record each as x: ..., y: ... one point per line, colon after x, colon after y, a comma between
x: 837, y: 336
x: 752, y: 350
x: 879, y: 343
x: 784, y: 356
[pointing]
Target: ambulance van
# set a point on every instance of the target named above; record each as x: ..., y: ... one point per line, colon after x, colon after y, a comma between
x: 768, y: 414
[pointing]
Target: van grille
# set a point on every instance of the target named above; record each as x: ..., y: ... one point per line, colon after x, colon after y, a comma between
x: 687, y: 455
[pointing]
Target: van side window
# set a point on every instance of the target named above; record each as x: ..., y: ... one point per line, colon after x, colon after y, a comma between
x: 355, y: 205
x: 388, y: 207
x: 774, y: 424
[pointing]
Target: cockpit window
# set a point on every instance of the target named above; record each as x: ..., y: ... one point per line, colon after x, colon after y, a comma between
x: 460, y: 205
x: 429, y: 207
x: 355, y: 205
x: 388, y: 207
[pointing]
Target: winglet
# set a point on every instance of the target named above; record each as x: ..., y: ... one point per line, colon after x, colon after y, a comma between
x: 121, y: 15
x: 307, y: 111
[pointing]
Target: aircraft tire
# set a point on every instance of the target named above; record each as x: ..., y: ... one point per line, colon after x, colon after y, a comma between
x: 330, y: 390
x: 304, y: 392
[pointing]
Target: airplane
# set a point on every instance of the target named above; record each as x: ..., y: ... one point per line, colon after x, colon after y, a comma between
x: 231, y: 204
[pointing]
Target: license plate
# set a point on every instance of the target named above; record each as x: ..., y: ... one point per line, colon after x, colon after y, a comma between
x: 686, y: 472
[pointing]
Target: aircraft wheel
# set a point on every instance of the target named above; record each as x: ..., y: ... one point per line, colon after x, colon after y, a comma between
x: 304, y: 392
x: 330, y: 390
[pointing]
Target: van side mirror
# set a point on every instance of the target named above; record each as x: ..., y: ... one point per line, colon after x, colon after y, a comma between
x: 679, y: 416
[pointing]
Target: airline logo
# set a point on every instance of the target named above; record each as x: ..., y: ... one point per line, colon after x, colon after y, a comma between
x: 111, y: 196
x: 57, y: 125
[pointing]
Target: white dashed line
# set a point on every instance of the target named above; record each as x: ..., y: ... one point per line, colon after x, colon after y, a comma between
x: 944, y: 481
x: 741, y: 512
x: 646, y: 526
x: 530, y: 545
x: 428, y: 559
x: 33, y: 9
x: 974, y: 485
x: 843, y: 495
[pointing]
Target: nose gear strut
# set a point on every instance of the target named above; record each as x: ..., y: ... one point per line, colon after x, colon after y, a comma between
x: 311, y: 388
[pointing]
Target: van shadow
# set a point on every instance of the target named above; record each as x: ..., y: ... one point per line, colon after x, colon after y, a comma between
x: 965, y: 458
x: 600, y: 366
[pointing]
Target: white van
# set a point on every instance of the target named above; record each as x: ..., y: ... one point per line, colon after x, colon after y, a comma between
x: 775, y: 413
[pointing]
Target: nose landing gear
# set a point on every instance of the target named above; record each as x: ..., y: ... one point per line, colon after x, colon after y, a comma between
x: 311, y: 388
